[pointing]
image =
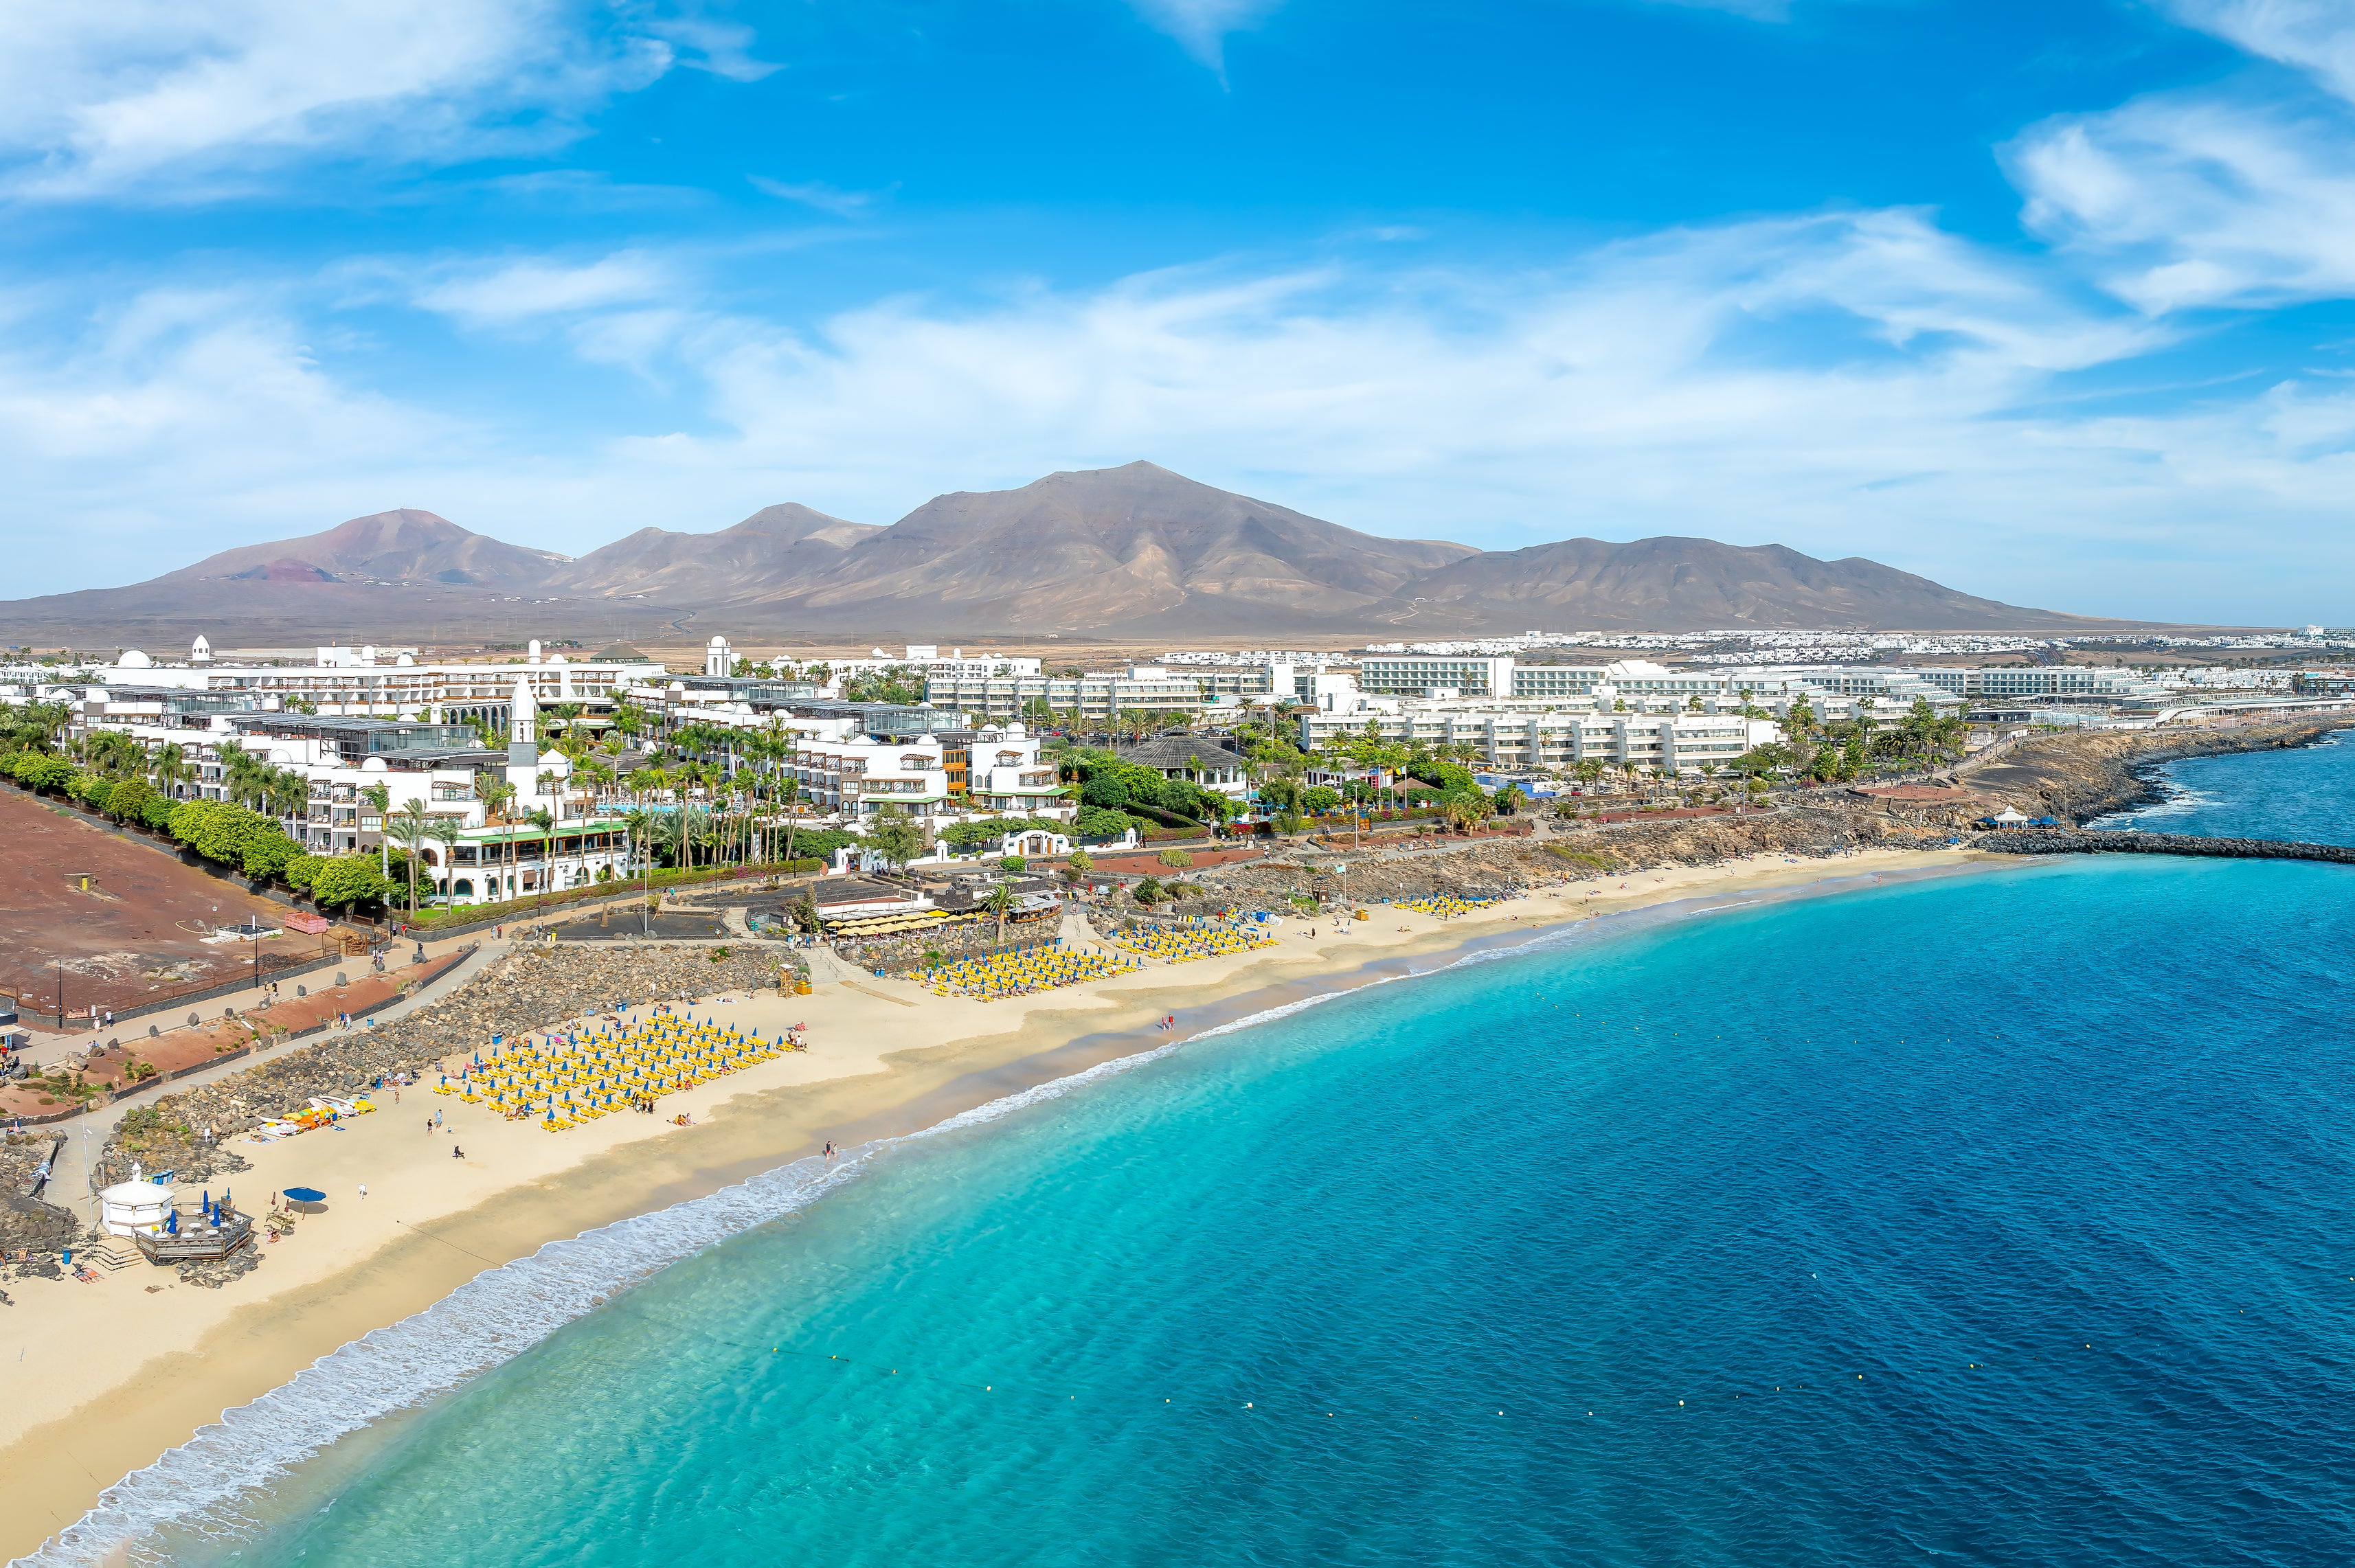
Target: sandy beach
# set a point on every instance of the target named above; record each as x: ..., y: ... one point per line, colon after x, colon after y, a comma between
x: 104, y: 1377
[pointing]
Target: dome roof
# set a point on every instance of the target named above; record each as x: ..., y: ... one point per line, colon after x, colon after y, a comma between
x: 134, y: 659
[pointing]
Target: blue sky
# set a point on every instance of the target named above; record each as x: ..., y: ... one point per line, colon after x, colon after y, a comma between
x: 2048, y: 300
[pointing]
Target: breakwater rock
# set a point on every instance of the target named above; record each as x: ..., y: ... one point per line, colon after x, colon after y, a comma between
x: 2086, y: 774
x: 2032, y: 842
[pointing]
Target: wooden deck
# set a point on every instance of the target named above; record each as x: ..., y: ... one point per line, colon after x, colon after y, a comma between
x: 197, y: 1241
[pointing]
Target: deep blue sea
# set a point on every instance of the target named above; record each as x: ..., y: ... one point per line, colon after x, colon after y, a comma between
x: 2308, y: 796
x: 2001, y: 1217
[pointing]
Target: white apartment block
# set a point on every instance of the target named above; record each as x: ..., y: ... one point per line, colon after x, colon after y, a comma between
x: 440, y: 767
x: 382, y: 683
x: 1514, y: 739
x: 990, y: 772
x: 1443, y: 676
x: 1097, y: 698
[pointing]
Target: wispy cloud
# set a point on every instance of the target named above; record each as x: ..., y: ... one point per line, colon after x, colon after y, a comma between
x: 2317, y: 35
x: 1854, y: 383
x: 2240, y: 193
x: 530, y: 289
x: 181, y: 102
x: 823, y: 196
x: 1756, y: 10
x: 1202, y: 25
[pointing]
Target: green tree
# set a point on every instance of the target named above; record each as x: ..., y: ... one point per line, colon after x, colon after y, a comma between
x: 129, y: 799
x: 445, y: 832
x: 543, y: 819
x: 347, y: 880
x: 1000, y: 900
x: 379, y: 799
x: 265, y: 854
x: 894, y: 836
x: 410, y: 825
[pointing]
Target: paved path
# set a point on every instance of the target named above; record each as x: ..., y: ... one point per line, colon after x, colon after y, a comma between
x: 85, y: 1135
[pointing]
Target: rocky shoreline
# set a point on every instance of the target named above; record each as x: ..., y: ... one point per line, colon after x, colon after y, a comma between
x: 2080, y: 777
x: 2074, y: 777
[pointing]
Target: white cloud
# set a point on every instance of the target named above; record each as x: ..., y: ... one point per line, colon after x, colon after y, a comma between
x: 2237, y: 194
x: 1676, y: 384
x: 823, y: 196
x: 1202, y: 25
x: 185, y: 100
x: 2185, y: 201
x: 1845, y: 384
x: 522, y: 291
x: 1756, y: 10
x: 2316, y: 35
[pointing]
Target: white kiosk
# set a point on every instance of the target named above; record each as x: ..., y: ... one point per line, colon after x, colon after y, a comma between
x: 135, y: 1208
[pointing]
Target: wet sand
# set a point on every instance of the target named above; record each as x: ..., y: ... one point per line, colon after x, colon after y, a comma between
x: 103, y: 1378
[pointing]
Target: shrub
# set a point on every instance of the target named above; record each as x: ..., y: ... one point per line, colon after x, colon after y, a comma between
x: 346, y: 880
x: 267, y: 854
x: 1175, y: 858
x: 1013, y: 863
x: 1096, y: 822
x: 129, y: 799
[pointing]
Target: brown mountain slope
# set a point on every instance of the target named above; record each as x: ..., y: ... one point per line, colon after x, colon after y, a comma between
x: 1135, y: 552
x: 1670, y: 584
x: 768, y: 554
x: 1103, y: 550
x: 401, y: 546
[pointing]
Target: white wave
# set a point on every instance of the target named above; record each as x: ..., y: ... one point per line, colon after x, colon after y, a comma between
x: 206, y: 1486
x: 202, y: 1485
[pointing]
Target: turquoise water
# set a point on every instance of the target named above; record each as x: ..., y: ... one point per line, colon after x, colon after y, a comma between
x: 2307, y: 796
x: 2000, y: 1218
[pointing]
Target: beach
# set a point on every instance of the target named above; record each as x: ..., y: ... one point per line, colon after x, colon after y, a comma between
x: 105, y: 1377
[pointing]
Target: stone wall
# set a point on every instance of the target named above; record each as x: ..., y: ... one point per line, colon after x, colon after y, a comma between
x: 533, y: 988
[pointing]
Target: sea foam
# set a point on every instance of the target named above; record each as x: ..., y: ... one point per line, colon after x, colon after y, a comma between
x: 208, y: 1485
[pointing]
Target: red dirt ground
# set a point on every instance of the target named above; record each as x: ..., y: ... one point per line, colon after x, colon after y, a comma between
x: 133, y: 937
x: 185, y: 1048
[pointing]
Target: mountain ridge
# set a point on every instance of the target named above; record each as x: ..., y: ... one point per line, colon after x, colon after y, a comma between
x: 1130, y: 552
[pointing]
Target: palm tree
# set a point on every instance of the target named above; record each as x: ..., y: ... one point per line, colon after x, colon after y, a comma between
x: 445, y: 831
x: 639, y: 825
x: 379, y: 797
x: 411, y: 826
x: 543, y: 819
x: 495, y: 793
x: 1000, y: 900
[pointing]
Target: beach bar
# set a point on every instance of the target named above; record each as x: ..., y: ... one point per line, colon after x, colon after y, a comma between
x: 134, y: 1208
x: 166, y: 1233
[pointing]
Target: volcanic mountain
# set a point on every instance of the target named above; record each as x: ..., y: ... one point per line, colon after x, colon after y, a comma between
x: 1128, y: 553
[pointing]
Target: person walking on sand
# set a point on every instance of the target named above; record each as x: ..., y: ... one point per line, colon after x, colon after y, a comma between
x: 363, y: 1192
